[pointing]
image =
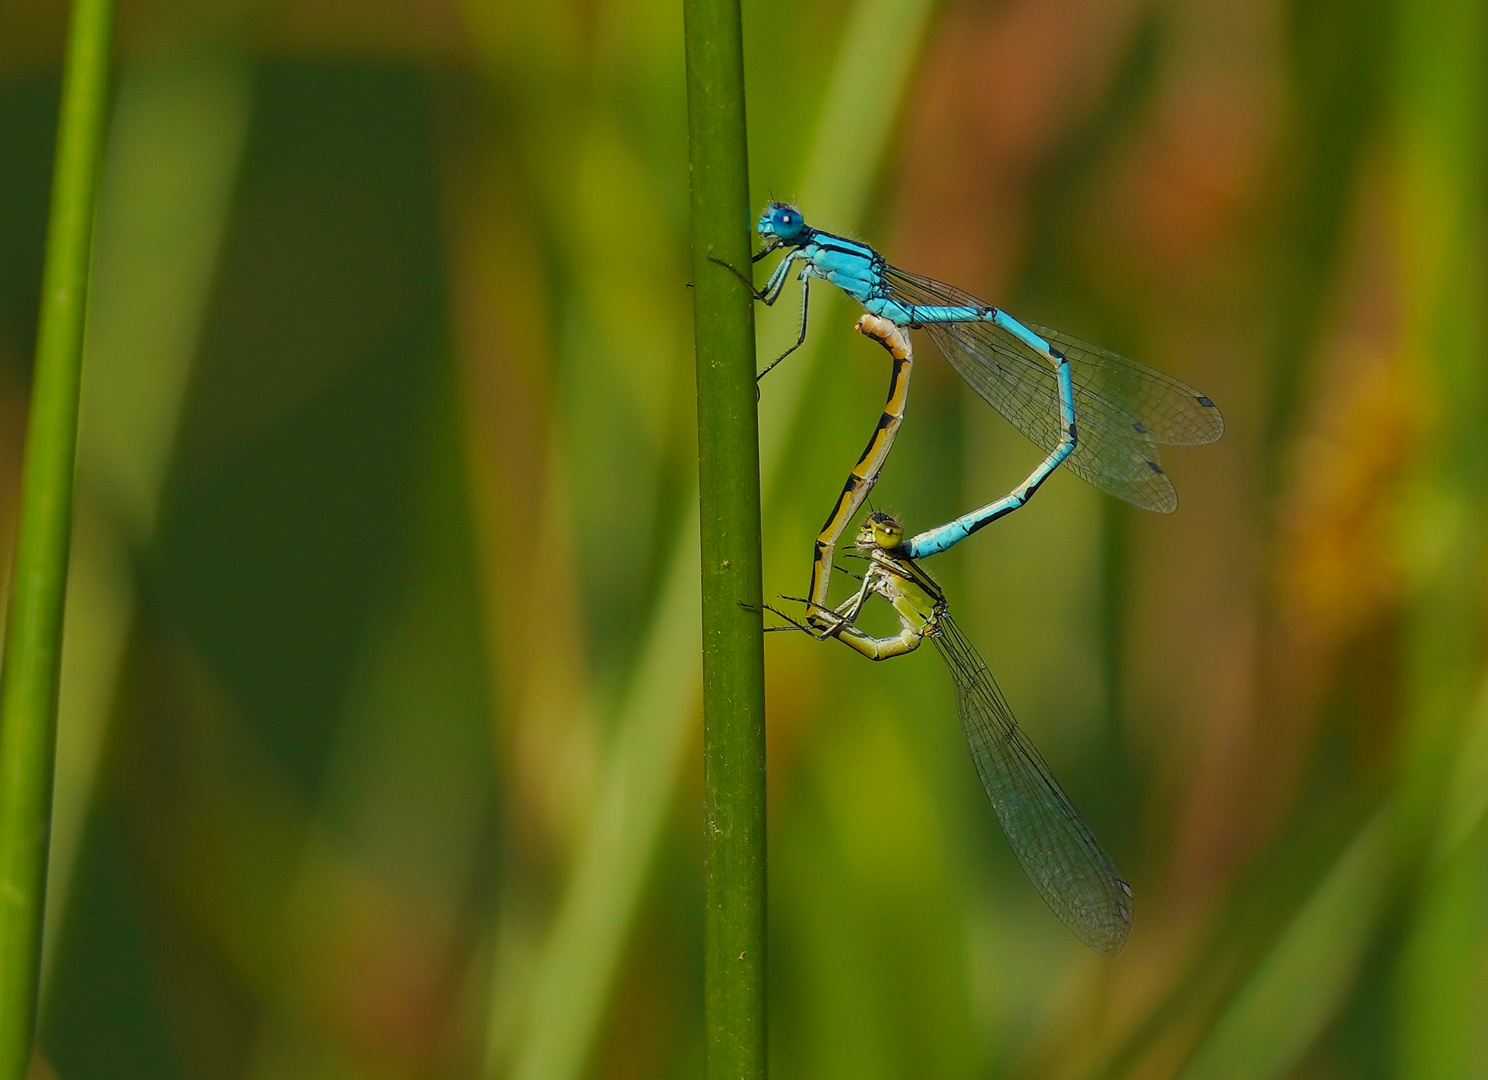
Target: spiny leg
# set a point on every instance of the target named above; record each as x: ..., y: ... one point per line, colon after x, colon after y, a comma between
x: 800, y: 338
x: 758, y: 294
x: 771, y: 292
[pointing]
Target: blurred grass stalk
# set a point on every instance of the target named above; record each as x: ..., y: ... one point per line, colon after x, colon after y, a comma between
x: 33, y: 646
x: 1440, y: 137
x: 575, y: 969
x: 1429, y: 835
x: 175, y: 139
x: 1296, y: 990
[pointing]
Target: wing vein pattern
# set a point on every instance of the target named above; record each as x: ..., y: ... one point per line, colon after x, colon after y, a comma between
x: 1124, y: 410
x: 1059, y: 853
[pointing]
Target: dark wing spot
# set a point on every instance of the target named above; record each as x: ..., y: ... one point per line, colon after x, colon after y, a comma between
x: 1141, y: 429
x: 1155, y: 467
x: 1202, y: 400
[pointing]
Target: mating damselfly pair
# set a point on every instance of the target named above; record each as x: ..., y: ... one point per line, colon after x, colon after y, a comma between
x: 1099, y: 414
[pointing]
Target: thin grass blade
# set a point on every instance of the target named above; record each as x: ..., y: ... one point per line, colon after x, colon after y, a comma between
x: 1305, y: 978
x: 33, y: 644
x: 576, y: 965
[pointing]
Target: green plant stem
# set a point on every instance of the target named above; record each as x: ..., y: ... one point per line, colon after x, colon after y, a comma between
x: 729, y: 497
x: 575, y: 970
x: 33, y: 644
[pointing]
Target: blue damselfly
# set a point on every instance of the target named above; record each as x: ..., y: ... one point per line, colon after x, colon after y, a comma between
x: 1038, y: 378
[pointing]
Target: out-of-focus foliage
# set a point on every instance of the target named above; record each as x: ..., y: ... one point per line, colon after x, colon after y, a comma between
x: 378, y: 741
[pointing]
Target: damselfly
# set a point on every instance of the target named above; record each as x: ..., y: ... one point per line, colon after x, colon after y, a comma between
x: 1125, y: 409
x: 866, y: 472
x: 1061, y: 856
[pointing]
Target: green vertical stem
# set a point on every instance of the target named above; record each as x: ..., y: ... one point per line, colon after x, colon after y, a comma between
x: 729, y: 491
x: 1441, y: 145
x: 33, y: 644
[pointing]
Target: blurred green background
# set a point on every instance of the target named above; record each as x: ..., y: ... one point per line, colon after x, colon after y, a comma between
x: 379, y: 737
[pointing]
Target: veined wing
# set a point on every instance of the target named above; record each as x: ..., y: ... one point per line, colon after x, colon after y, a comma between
x: 1174, y: 413
x: 1123, y: 409
x: 1058, y: 851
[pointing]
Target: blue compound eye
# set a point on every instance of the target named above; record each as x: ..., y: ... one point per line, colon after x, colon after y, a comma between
x: 783, y: 222
x: 786, y: 221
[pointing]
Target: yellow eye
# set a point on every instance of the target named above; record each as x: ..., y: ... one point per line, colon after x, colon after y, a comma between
x: 881, y: 530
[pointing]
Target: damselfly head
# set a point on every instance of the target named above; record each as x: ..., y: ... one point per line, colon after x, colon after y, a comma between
x: 880, y: 531
x: 781, y: 223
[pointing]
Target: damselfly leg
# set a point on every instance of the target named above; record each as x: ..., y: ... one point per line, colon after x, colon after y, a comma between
x: 1126, y: 410
x: 1057, y: 849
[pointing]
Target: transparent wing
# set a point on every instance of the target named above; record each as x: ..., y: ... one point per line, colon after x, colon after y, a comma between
x: 1174, y: 413
x: 1123, y: 409
x: 1058, y: 851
